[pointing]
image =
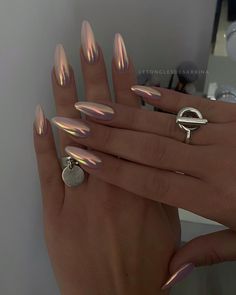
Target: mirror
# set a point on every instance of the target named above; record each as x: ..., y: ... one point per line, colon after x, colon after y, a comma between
x: 220, y: 80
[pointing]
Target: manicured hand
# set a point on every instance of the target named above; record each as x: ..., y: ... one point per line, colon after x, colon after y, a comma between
x: 102, y: 239
x: 144, y: 152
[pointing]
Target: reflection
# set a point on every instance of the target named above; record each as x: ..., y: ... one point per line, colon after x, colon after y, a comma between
x: 220, y: 82
x: 225, y: 16
x: 231, y: 41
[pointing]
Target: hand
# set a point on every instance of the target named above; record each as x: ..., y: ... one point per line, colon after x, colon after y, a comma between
x: 101, y: 238
x: 151, y: 150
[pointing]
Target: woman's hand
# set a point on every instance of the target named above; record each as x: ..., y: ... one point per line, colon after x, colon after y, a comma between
x: 151, y: 150
x: 101, y: 239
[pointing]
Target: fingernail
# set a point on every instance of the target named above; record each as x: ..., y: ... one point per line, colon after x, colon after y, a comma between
x: 61, y: 66
x: 120, y: 53
x: 95, y: 110
x: 40, y: 121
x: 74, y: 127
x: 88, y: 42
x: 83, y: 157
x: 146, y: 92
x: 179, y: 275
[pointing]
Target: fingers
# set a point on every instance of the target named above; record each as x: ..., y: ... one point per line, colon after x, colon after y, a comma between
x: 64, y: 89
x: 143, y: 148
x: 206, y: 250
x: 169, y: 188
x: 159, y: 123
x: 123, y: 74
x: 48, y: 165
x: 172, y: 101
x: 124, y: 77
x: 93, y: 67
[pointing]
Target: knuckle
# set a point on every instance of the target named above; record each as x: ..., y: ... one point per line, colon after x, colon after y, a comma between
x: 134, y: 119
x: 213, y: 257
x: 154, y: 151
x: 161, y: 153
x: 50, y: 180
x: 158, y: 185
x: 178, y: 101
x: 107, y: 138
x: 172, y: 128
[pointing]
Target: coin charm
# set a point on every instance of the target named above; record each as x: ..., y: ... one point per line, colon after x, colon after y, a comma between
x: 73, y: 176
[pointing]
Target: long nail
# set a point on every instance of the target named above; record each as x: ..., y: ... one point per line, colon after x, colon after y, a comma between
x: 146, y: 92
x: 61, y: 66
x: 88, y: 42
x: 74, y: 127
x: 95, y: 110
x: 178, y: 276
x: 83, y: 157
x: 40, y: 122
x: 120, y: 53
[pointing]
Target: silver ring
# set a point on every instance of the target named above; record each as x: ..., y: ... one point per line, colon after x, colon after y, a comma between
x: 190, y: 119
x: 73, y: 175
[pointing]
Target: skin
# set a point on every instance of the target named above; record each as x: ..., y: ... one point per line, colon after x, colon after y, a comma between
x: 102, y: 239
x: 207, y: 186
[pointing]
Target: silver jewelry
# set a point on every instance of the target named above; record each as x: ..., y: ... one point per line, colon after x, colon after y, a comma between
x: 72, y: 174
x: 190, y: 119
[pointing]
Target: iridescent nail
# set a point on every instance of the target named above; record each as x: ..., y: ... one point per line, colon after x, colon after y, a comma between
x: 120, y: 53
x: 95, y: 110
x: 61, y: 66
x: 83, y: 157
x: 146, y: 92
x: 74, y: 127
x: 40, y: 121
x: 88, y: 42
x: 178, y: 276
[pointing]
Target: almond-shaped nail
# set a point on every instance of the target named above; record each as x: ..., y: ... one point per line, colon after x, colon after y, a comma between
x: 179, y: 275
x: 120, y: 53
x: 95, y: 110
x: 61, y: 66
x: 146, y: 92
x: 84, y: 157
x: 40, y: 122
x: 88, y: 42
x: 74, y: 127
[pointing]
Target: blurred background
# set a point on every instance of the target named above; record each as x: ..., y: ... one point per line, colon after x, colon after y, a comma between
x: 185, y: 45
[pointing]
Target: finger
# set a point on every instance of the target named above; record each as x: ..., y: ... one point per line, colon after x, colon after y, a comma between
x: 123, y: 74
x: 170, y: 188
x: 64, y: 89
x: 206, y: 250
x: 48, y: 165
x: 124, y: 77
x: 147, y: 149
x: 93, y: 66
x: 159, y: 123
x: 172, y: 101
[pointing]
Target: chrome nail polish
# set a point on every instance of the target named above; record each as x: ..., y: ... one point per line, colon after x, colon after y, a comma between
x: 40, y: 122
x: 146, y: 92
x: 61, y: 66
x: 179, y: 275
x: 120, y: 53
x: 84, y: 157
x: 88, y: 42
x: 74, y: 127
x: 95, y: 110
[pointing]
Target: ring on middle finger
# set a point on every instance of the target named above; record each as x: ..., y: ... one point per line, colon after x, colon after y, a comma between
x: 190, y: 119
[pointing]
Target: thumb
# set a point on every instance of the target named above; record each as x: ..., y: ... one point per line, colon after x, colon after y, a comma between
x: 205, y: 250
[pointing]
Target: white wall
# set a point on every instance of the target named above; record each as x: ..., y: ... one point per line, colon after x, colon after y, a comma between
x: 159, y: 34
